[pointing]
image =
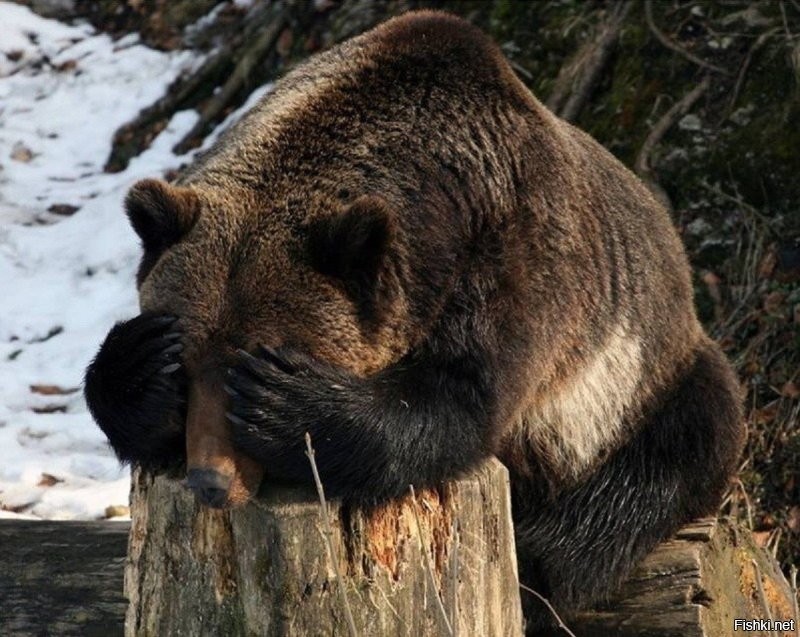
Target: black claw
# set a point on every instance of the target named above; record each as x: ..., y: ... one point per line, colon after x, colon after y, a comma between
x: 268, y: 351
x: 165, y: 319
x: 254, y: 366
x: 172, y: 336
x: 272, y: 356
x: 230, y: 390
x: 233, y: 418
x: 249, y: 358
x: 169, y: 369
x: 173, y: 349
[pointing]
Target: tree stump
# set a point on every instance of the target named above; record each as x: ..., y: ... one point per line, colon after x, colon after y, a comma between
x: 695, y: 585
x: 264, y: 569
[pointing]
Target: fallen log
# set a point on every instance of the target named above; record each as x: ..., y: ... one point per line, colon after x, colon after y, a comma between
x: 62, y: 578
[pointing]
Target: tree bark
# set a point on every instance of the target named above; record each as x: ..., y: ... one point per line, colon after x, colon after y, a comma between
x: 264, y: 569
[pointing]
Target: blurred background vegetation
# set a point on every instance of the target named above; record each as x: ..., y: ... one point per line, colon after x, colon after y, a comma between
x: 700, y: 98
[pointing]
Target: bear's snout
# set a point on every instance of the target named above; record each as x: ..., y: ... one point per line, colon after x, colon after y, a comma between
x: 210, y: 487
x: 217, y: 474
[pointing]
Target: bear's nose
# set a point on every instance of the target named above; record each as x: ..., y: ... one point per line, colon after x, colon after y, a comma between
x: 210, y: 487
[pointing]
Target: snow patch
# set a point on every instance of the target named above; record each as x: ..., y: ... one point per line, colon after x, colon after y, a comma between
x: 67, y: 278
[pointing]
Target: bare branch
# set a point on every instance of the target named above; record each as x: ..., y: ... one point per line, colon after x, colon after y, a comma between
x: 789, y: 34
x: 648, y: 14
x: 748, y: 505
x: 762, y: 598
x: 578, y: 78
x: 185, y: 92
x: 249, y: 58
x: 746, y: 65
x: 668, y: 119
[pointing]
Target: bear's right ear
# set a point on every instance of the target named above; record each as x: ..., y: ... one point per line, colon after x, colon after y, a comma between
x: 356, y: 247
x: 161, y: 214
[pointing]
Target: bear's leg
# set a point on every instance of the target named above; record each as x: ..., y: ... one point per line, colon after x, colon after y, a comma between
x: 135, y: 390
x: 579, y: 546
x: 420, y: 422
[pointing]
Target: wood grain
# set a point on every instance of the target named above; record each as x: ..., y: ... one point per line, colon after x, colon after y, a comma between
x: 62, y: 578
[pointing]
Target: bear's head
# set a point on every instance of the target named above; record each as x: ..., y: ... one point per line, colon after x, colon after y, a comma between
x: 320, y: 273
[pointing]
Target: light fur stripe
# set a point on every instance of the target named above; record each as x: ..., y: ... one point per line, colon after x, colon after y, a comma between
x: 572, y: 427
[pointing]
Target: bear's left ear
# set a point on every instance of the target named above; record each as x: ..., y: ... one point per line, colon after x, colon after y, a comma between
x: 356, y: 247
x: 160, y: 213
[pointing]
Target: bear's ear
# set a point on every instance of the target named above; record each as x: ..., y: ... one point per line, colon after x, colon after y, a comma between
x: 161, y: 214
x: 356, y: 248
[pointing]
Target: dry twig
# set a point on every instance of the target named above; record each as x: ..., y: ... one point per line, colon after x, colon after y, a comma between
x: 762, y: 598
x: 552, y: 610
x: 789, y: 34
x: 747, y: 504
x: 578, y: 77
x: 667, y: 121
x: 746, y: 65
x: 328, y: 533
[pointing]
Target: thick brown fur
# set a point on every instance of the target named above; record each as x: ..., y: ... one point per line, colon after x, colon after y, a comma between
x: 441, y: 270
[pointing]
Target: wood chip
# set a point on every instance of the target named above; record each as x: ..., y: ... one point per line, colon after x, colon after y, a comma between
x: 117, y: 511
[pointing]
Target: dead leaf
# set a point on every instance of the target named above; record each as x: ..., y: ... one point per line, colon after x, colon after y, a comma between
x: 17, y: 508
x: 63, y: 209
x: 761, y: 538
x: 751, y: 367
x: 766, y: 414
x: 790, y: 389
x: 50, y: 409
x: 773, y: 302
x: 68, y: 65
x: 284, y: 44
x: 48, y: 480
x: 767, y: 265
x: 20, y: 152
x: 53, y: 390
x: 794, y: 519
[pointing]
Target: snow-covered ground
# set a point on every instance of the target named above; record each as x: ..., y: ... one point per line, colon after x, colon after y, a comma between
x: 66, y: 278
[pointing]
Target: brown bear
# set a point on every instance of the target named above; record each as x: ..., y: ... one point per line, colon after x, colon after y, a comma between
x: 402, y: 252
